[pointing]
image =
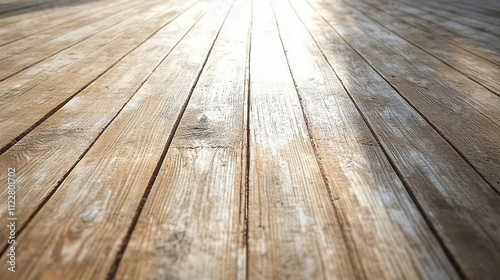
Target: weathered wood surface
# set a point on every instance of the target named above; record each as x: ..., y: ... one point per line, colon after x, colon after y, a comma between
x: 291, y: 219
x: 32, y: 27
x: 354, y: 164
x: 264, y: 139
x: 46, y: 45
x: 47, y: 159
x: 21, y: 82
x: 473, y: 66
x: 413, y: 147
x: 18, y: 116
x: 486, y: 45
x: 436, y: 90
x: 204, y: 173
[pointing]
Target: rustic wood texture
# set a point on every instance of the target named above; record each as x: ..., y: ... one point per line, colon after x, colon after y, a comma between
x: 291, y: 219
x: 21, y: 82
x: 428, y: 84
x: 203, y: 172
x: 486, y: 45
x: 413, y: 147
x: 45, y: 46
x: 355, y: 166
x: 18, y: 117
x: 251, y: 139
x: 42, y: 25
x: 473, y: 66
x: 47, y: 159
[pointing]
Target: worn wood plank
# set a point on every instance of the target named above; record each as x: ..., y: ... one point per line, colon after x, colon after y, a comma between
x: 44, y: 21
x: 40, y: 11
x: 473, y: 66
x: 479, y: 4
x: 25, y: 80
x: 294, y: 230
x: 457, y: 14
x: 356, y: 167
x: 487, y: 14
x: 458, y: 107
x: 482, y: 11
x: 116, y: 172
x: 50, y: 151
x: 35, y: 51
x: 487, y: 45
x: 457, y: 203
x: 27, y: 7
x: 193, y: 225
x: 19, y: 117
x: 9, y: 6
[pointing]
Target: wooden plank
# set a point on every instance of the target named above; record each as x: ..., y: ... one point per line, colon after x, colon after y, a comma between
x: 456, y: 106
x: 25, y: 80
x: 17, y: 30
x: 372, y: 199
x: 20, y: 5
x: 458, y: 205
x: 79, y: 234
x: 193, y: 224
x: 35, y: 52
x: 35, y: 12
x: 487, y: 5
x: 475, y: 67
x: 50, y: 151
x: 11, y: 9
x: 294, y: 231
x: 486, y: 8
x: 19, y: 117
x: 488, y: 45
x: 483, y: 4
x: 479, y: 22
x: 458, y: 13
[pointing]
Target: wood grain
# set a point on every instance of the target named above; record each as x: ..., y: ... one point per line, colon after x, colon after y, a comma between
x: 18, y: 116
x: 23, y: 9
x: 115, y: 171
x: 40, y: 72
x: 461, y: 16
x: 355, y: 166
x: 42, y: 22
x: 461, y: 208
x: 50, y: 151
x: 264, y: 139
x: 468, y: 10
x: 486, y: 45
x: 294, y: 230
x: 40, y: 48
x: 473, y: 66
x: 458, y: 107
x: 193, y: 224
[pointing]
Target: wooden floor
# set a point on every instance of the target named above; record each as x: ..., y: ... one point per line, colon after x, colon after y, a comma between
x: 264, y: 139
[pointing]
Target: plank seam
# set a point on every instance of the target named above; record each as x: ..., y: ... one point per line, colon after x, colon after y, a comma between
x: 114, y: 268
x: 247, y: 167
